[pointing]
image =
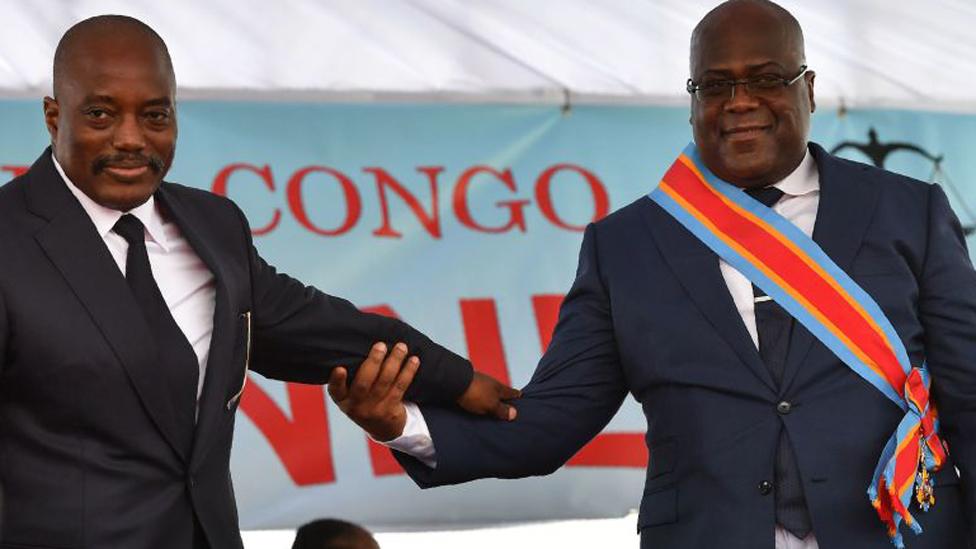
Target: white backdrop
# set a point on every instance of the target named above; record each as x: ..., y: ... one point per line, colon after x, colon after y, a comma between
x: 872, y: 53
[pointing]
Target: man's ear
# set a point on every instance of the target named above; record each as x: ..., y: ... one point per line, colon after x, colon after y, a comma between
x: 813, y: 103
x: 51, y: 113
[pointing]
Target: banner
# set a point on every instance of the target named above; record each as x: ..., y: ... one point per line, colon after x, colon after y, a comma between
x: 465, y: 221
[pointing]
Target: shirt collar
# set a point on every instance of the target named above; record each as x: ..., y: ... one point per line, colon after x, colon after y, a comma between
x: 805, y: 179
x: 106, y: 218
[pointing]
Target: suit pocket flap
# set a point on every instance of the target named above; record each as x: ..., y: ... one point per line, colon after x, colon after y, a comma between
x: 659, y: 507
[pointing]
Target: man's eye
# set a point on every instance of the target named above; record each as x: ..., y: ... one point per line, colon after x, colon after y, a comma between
x: 714, y: 87
x: 713, y: 84
x: 96, y: 114
x: 766, y: 81
x: 158, y: 116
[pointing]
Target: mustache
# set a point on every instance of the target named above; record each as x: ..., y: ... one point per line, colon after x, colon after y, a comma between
x: 155, y: 163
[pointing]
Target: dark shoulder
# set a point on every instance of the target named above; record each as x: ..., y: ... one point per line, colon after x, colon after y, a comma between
x: 200, y: 201
x: 13, y: 190
x: 615, y: 235
x: 13, y: 201
x: 892, y: 185
x: 626, y: 217
x: 216, y: 212
x: 192, y: 196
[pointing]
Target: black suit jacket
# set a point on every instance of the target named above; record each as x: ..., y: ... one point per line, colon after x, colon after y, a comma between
x: 88, y: 443
x: 650, y: 314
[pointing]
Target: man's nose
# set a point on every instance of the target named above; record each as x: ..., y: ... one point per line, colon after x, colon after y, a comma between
x: 741, y: 99
x: 129, y: 134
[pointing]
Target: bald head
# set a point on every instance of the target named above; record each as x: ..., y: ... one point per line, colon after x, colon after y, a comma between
x: 96, y: 32
x: 748, y: 16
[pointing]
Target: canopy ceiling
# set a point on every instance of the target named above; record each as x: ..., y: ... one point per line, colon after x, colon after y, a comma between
x: 893, y: 53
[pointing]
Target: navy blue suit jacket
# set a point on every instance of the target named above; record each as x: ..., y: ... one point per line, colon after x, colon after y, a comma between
x: 650, y: 314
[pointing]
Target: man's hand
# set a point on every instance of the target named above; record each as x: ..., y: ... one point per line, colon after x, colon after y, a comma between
x: 374, y: 400
x: 486, y: 395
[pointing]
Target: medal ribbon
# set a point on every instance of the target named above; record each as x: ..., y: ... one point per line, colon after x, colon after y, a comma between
x: 793, y: 270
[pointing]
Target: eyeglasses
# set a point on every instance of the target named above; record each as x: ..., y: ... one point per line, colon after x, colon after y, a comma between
x: 763, y: 85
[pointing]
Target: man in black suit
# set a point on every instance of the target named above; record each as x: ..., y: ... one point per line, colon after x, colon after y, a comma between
x: 759, y: 435
x: 131, y: 311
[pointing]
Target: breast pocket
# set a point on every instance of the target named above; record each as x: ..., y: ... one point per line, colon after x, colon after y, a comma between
x: 246, y: 329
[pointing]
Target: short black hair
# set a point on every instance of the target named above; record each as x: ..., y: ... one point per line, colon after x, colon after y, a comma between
x: 103, y: 24
x: 327, y: 533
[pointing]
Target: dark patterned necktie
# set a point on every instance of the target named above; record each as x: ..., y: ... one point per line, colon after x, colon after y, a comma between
x: 772, y: 322
x: 178, y: 364
x: 774, y: 327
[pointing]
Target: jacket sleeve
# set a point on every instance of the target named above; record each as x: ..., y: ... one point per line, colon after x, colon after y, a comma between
x: 3, y: 332
x: 947, y: 309
x: 300, y: 334
x: 575, y: 391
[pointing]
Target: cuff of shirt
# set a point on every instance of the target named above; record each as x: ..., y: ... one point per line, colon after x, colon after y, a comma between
x: 415, y: 440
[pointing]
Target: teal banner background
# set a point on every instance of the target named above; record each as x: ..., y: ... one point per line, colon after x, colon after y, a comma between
x: 444, y: 264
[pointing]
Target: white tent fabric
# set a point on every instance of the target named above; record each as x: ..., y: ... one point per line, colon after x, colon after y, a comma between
x: 867, y: 53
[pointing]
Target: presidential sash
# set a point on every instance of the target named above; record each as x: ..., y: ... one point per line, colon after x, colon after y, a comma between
x: 793, y: 270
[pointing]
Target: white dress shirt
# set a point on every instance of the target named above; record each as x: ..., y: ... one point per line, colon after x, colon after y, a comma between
x: 801, y: 197
x: 183, y: 278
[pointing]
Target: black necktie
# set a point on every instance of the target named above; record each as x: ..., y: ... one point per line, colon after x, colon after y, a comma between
x: 177, y: 362
x: 774, y: 326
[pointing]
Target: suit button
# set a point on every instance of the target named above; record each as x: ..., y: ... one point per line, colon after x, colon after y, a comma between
x: 191, y: 481
x: 765, y: 487
x: 784, y: 407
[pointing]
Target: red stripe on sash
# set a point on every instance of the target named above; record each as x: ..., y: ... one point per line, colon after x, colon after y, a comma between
x: 905, y: 468
x: 775, y: 257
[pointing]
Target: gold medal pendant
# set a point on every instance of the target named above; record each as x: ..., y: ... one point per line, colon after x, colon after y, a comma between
x: 924, y: 484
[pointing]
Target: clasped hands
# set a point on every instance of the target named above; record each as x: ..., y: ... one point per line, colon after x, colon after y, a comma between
x: 374, y: 398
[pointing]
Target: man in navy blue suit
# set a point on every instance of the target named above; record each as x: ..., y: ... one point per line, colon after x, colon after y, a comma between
x: 759, y: 436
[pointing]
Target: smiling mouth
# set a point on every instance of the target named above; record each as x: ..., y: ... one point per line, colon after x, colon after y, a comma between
x: 127, y: 172
x: 744, y: 132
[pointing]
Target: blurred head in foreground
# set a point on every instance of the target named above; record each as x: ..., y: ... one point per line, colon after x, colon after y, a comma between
x: 333, y: 534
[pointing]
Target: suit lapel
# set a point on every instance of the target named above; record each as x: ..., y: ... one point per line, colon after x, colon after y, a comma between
x: 211, y: 406
x: 843, y: 215
x: 697, y: 269
x: 74, y: 247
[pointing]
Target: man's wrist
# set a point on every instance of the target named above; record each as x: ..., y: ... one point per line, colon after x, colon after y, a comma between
x: 383, y: 432
x: 415, y: 440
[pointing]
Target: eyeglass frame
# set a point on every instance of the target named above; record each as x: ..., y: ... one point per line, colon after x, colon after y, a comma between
x: 694, y: 88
